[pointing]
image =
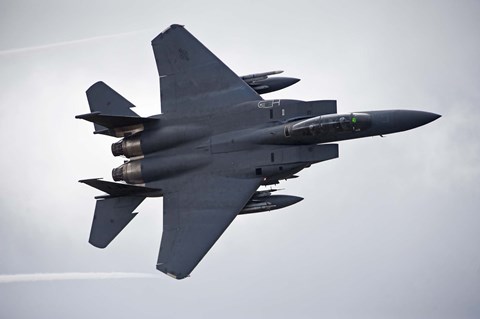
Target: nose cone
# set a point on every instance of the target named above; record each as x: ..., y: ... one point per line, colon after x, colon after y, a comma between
x: 392, y: 121
x: 416, y: 118
x: 406, y: 120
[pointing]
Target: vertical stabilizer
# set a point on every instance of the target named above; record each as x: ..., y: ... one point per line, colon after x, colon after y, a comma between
x: 103, y: 99
x: 110, y: 218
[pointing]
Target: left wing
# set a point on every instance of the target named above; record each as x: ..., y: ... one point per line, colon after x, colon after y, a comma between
x: 192, y: 79
x: 195, y: 215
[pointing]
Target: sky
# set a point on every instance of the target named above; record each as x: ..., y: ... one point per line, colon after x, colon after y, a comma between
x: 388, y: 230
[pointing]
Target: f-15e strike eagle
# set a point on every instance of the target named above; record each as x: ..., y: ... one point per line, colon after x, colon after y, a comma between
x: 215, y: 143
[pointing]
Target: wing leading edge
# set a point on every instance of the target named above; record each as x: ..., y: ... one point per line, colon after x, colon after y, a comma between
x: 192, y: 79
x: 195, y: 215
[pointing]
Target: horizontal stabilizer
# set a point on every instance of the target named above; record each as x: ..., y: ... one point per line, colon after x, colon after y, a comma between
x: 108, y: 123
x: 110, y: 218
x: 118, y: 189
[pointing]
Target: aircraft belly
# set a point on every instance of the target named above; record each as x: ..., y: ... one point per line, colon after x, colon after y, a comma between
x: 269, y: 161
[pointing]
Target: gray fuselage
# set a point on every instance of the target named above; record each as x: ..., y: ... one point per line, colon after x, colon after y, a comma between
x: 273, y: 139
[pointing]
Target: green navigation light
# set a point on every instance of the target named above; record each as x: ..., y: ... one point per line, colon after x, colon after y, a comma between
x: 354, y: 120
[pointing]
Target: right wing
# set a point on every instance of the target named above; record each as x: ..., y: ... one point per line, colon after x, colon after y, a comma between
x: 192, y: 79
x: 196, y: 214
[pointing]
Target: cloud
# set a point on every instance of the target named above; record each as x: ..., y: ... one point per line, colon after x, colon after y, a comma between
x: 5, y: 279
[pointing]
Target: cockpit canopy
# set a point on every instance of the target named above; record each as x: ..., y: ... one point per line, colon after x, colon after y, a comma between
x: 331, y: 123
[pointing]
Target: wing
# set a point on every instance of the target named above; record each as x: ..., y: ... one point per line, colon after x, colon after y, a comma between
x: 195, y: 215
x: 193, y: 79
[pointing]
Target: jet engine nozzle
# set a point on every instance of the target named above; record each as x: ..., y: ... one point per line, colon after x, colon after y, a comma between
x: 130, y: 172
x: 129, y: 147
x: 117, y: 148
x: 117, y: 174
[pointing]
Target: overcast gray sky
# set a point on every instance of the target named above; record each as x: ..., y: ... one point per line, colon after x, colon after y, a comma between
x: 388, y: 230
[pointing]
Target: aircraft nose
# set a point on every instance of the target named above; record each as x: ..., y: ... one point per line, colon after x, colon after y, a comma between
x: 406, y: 120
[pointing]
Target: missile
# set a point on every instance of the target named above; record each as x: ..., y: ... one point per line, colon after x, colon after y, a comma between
x: 261, y: 82
x: 273, y: 84
x: 265, y: 202
x: 258, y: 76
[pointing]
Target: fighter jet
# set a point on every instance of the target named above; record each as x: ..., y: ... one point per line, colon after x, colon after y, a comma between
x: 214, y: 144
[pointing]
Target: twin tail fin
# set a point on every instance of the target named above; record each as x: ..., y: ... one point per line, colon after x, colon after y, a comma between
x: 111, y: 113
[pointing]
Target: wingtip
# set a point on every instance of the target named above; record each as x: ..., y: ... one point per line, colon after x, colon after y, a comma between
x: 161, y: 267
x: 87, y: 116
x: 176, y: 25
x: 97, y: 244
x: 170, y: 28
x: 95, y: 85
x: 86, y: 180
